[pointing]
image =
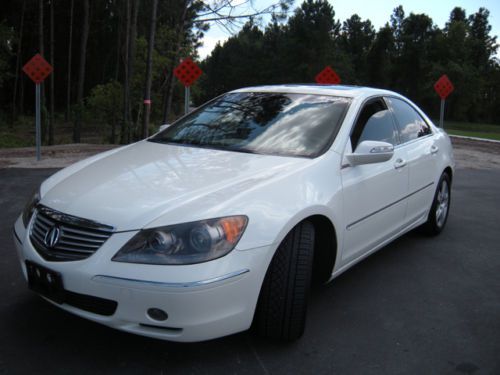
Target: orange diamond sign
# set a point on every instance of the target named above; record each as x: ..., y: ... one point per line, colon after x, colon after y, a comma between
x: 187, y: 72
x: 443, y: 86
x: 37, y: 68
x: 328, y: 76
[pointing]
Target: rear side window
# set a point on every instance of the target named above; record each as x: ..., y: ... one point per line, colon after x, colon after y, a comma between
x: 410, y: 124
x: 374, y: 123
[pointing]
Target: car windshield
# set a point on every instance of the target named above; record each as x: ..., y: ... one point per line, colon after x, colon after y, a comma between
x: 263, y: 123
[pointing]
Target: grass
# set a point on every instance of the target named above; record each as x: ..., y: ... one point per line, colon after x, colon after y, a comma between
x: 22, y: 133
x: 493, y: 136
x: 9, y: 139
x: 470, y: 129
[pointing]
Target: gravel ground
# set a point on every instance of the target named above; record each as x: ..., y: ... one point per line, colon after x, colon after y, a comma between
x: 468, y: 154
x: 476, y: 154
x: 59, y: 156
x: 421, y: 305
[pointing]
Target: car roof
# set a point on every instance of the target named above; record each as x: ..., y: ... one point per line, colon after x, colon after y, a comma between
x: 318, y: 89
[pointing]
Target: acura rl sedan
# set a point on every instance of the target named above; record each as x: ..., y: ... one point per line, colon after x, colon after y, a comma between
x: 223, y: 219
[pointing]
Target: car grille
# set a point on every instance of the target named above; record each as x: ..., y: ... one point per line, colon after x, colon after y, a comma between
x: 76, y: 238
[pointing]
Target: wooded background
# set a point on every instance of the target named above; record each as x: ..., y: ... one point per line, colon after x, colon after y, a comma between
x: 111, y: 55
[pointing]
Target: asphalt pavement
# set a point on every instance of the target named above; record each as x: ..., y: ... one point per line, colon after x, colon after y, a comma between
x: 419, y: 306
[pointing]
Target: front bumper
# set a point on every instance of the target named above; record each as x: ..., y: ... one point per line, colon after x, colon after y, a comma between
x: 203, y: 301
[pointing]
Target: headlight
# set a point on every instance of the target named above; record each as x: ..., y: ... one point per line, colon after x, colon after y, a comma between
x: 30, y: 207
x: 186, y: 243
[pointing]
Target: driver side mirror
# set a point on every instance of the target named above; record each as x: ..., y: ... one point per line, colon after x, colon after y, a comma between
x: 369, y: 152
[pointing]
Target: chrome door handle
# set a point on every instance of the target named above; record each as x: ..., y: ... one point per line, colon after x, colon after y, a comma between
x: 400, y: 163
x: 434, y: 149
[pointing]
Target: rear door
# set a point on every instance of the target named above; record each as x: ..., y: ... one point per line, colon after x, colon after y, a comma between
x: 374, y: 194
x: 418, y: 143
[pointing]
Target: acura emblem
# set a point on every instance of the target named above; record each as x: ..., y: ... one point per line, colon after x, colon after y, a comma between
x: 52, y: 237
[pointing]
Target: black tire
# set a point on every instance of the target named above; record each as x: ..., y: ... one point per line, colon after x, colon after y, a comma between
x: 282, y: 306
x: 438, y: 215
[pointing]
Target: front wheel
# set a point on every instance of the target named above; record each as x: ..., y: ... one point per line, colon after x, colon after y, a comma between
x: 438, y: 214
x: 282, y: 305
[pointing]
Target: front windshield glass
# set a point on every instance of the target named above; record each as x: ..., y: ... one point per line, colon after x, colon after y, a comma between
x: 263, y: 123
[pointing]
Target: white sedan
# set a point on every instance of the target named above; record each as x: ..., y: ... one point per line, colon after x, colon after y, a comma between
x: 224, y: 218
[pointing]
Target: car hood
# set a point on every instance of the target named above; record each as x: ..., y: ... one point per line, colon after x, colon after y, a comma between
x: 135, y: 185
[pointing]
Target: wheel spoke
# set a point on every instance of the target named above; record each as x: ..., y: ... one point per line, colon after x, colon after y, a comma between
x: 438, y: 214
x: 442, y: 203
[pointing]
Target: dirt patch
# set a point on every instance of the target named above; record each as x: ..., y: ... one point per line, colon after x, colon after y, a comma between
x: 476, y: 154
x: 468, y: 154
x: 59, y: 156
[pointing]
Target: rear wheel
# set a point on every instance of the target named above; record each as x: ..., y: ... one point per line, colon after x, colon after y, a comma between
x: 282, y: 306
x: 438, y: 214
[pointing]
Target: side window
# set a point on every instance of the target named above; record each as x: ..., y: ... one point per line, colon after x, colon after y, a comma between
x: 374, y: 123
x: 410, y: 124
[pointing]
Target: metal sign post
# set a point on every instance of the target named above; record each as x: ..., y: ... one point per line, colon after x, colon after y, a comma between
x: 443, y: 88
x: 37, y: 69
x: 186, y: 99
x: 38, y: 126
x: 441, y: 114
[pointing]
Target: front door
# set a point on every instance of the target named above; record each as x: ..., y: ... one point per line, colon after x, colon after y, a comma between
x: 416, y: 137
x: 374, y: 194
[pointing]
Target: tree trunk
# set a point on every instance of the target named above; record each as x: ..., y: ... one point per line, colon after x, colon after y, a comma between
x: 149, y: 70
x: 81, y: 72
x: 131, y: 60
x: 18, y: 64
x: 51, y: 123
x: 112, y: 137
x: 169, y: 90
x: 67, y: 116
x: 119, y: 33
x: 40, y: 27
x: 41, y: 51
x: 21, y: 94
x: 125, y: 123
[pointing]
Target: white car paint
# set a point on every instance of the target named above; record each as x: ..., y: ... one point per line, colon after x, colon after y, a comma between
x: 146, y: 185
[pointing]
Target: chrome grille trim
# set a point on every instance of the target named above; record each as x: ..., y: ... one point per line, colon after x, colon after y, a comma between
x: 79, y: 238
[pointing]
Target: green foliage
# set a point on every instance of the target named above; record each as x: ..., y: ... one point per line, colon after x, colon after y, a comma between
x: 6, y: 53
x: 290, y: 53
x: 356, y: 40
x: 468, y: 129
x: 22, y: 135
x: 104, y: 105
x: 105, y: 101
x: 407, y: 54
x: 382, y: 52
x: 493, y: 136
x: 471, y: 127
x: 9, y: 139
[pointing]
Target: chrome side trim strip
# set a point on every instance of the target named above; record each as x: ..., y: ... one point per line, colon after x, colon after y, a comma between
x: 189, y: 284
x: 350, y: 226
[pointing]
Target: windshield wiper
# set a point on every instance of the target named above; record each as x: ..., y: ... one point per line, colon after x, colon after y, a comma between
x: 203, y: 145
x: 174, y: 141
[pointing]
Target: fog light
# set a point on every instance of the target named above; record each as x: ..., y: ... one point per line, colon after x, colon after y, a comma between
x: 157, y: 314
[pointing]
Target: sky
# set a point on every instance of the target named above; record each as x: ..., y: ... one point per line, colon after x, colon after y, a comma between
x: 379, y: 12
